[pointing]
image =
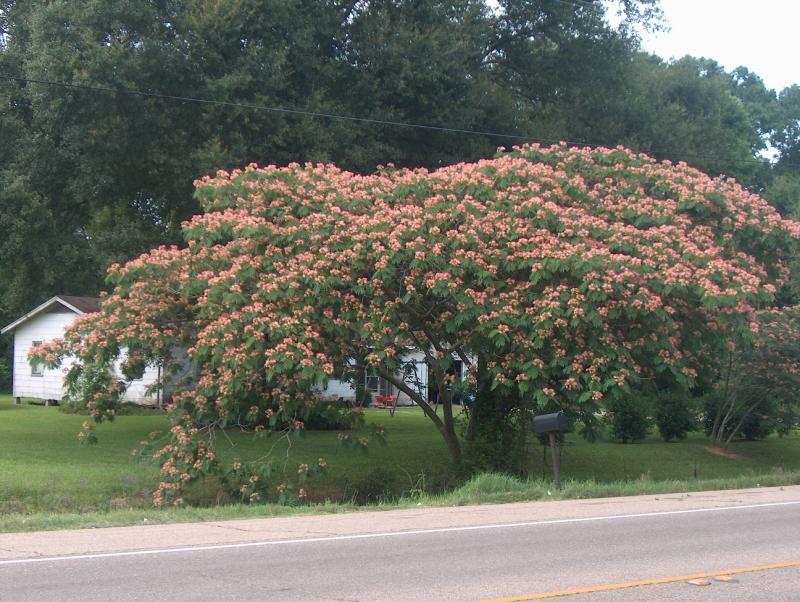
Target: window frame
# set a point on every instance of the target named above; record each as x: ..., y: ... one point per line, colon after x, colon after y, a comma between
x: 37, y: 370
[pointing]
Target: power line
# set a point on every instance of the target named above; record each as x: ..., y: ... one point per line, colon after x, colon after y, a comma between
x: 350, y: 118
x: 242, y: 105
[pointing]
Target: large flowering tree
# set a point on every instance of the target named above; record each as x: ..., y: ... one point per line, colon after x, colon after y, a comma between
x: 559, y: 275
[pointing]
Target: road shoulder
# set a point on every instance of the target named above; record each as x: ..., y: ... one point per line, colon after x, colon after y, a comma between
x: 17, y: 546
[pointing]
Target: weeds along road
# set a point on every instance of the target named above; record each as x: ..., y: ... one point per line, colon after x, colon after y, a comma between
x: 587, y: 548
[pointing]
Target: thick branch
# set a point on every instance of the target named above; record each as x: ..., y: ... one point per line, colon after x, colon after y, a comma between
x: 738, y: 426
x: 416, y: 397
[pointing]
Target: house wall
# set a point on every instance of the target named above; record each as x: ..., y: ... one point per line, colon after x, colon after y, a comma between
x: 137, y: 389
x: 48, y: 325
x: 43, y: 327
x: 418, y: 382
x: 50, y: 385
x: 337, y: 388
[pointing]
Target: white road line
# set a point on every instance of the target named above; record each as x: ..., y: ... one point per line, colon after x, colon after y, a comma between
x: 279, y: 542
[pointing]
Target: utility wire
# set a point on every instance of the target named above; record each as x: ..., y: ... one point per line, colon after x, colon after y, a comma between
x: 242, y: 105
x: 336, y: 116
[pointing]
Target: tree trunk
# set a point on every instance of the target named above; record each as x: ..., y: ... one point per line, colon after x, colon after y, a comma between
x: 715, y: 429
x: 445, y: 427
x: 739, y: 424
x: 496, y: 432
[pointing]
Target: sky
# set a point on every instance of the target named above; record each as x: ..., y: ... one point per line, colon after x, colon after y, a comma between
x: 762, y: 35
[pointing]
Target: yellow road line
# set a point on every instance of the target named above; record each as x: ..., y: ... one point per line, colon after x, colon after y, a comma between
x: 625, y: 584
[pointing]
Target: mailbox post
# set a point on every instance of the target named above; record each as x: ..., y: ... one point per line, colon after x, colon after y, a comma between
x: 552, y: 424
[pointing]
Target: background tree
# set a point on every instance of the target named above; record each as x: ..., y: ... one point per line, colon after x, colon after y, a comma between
x: 92, y: 174
x: 759, y: 378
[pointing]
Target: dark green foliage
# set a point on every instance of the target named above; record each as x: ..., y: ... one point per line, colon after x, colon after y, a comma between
x: 757, y: 426
x: 5, y: 375
x: 333, y: 416
x: 629, y: 419
x: 316, y: 415
x: 320, y: 415
x: 499, y: 440
x: 786, y: 419
x: 674, y: 416
x: 379, y: 484
x: 496, y: 431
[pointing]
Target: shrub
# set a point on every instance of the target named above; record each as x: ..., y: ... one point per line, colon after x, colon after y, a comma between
x: 674, y: 417
x: 376, y: 486
x: 757, y: 426
x: 334, y: 416
x: 786, y: 420
x: 629, y: 420
x: 327, y: 415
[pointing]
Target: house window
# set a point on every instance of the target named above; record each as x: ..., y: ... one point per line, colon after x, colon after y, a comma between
x: 38, y: 369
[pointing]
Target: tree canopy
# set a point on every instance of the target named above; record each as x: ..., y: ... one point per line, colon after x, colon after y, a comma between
x: 560, y: 274
x: 102, y: 145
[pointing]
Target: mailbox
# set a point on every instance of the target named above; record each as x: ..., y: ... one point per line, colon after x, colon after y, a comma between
x: 550, y: 423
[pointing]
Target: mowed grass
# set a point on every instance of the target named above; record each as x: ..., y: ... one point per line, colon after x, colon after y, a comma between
x: 44, y: 469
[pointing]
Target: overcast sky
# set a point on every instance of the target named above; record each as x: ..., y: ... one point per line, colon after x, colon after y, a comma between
x: 762, y: 35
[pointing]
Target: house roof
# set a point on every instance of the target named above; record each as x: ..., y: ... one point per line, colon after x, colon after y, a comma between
x: 86, y: 305
x: 80, y: 305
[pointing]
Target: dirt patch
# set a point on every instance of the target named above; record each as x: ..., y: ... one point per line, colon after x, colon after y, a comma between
x: 725, y: 453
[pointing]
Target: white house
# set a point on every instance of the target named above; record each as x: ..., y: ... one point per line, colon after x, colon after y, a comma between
x: 47, y: 322
x: 414, y: 372
x: 52, y: 317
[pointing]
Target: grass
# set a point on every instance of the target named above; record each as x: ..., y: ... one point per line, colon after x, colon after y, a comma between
x: 44, y: 468
x: 48, y: 480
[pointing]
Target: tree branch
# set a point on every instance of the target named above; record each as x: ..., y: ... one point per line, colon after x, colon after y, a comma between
x: 416, y: 397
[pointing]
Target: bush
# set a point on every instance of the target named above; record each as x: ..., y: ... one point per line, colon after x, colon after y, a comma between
x: 333, y: 416
x: 376, y: 486
x: 757, y: 426
x: 786, y: 420
x: 674, y: 417
x: 629, y: 420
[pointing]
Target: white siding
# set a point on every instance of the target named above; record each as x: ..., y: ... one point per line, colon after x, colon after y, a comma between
x: 137, y: 389
x: 50, y: 385
x: 336, y: 388
x: 43, y: 327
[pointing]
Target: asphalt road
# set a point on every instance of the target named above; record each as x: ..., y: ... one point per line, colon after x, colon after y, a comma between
x: 511, y: 552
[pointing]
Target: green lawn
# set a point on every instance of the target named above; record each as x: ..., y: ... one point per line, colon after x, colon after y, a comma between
x: 43, y: 468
